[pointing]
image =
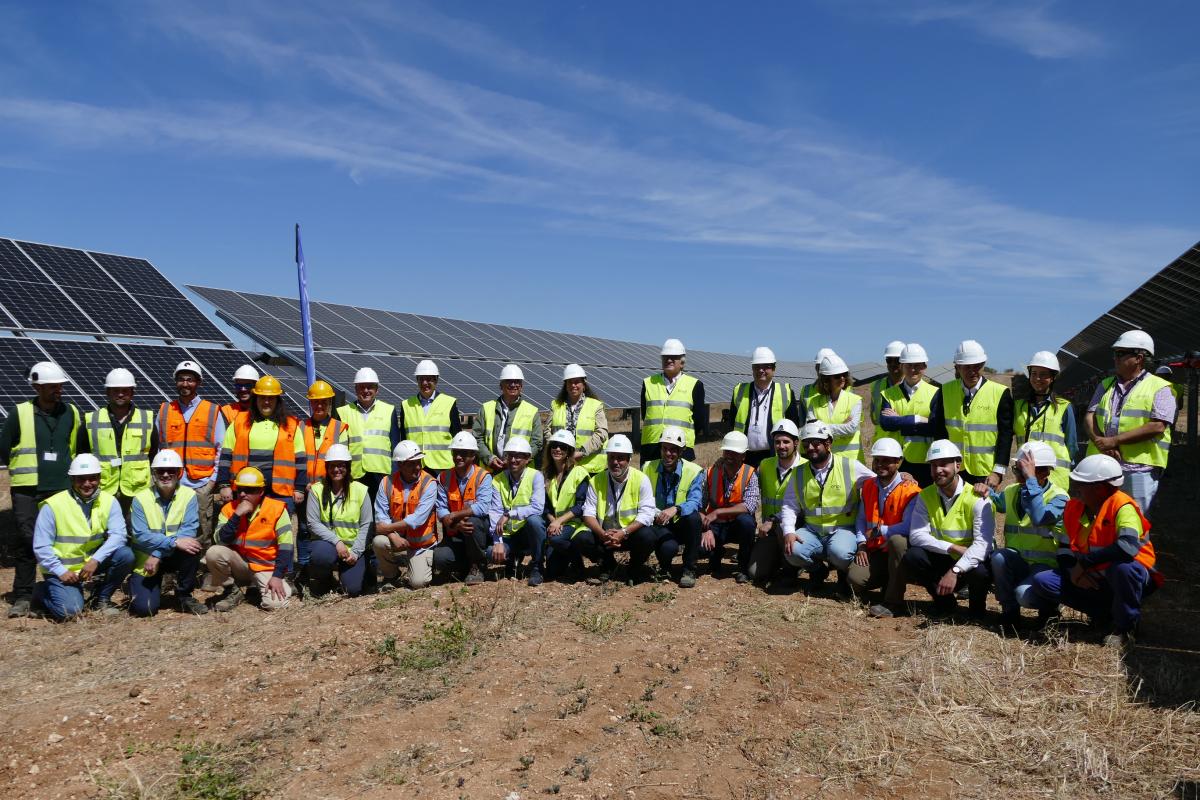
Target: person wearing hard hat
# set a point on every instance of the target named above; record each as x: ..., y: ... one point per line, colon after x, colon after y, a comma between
x: 577, y: 409
x: 507, y: 416
x: 122, y: 437
x: 374, y: 431
x: 678, y: 486
x: 809, y: 389
x: 950, y: 535
x: 672, y: 397
x: 820, y: 506
x: 464, y: 500
x: 1167, y: 374
x: 731, y: 499
x: 566, y: 483
x: 774, y: 477
x: 194, y: 428
x: 430, y: 419
x: 1046, y: 417
x: 243, y: 387
x: 166, y: 538
x: 759, y: 405
x: 893, y: 377
x: 405, y: 525
x: 1033, y: 532
x: 515, y: 517
x: 80, y: 533
x: 1109, y: 569
x: 1129, y: 418
x: 906, y: 411
x: 38, y: 441
x: 255, y: 546
x: 339, y: 520
x: 884, y: 515
x: 619, y: 503
x: 839, y: 408
x: 314, y: 436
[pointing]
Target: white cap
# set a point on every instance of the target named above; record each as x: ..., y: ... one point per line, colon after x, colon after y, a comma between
x: 1044, y: 358
x: 464, y: 440
x: 619, y: 444
x: 913, y: 353
x: 816, y: 430
x: 246, y: 373
x: 119, y: 378
x: 338, y: 452
x: 47, y: 372
x: 572, y: 371
x: 672, y: 347
x: 1098, y: 468
x: 562, y: 436
x: 762, y: 355
x: 518, y: 444
x: 167, y: 459
x: 189, y: 366
x: 786, y: 426
x: 511, y: 372
x: 886, y: 448
x: 735, y: 442
x: 406, y: 450
x: 1135, y: 340
x: 821, y: 354
x: 969, y: 351
x: 833, y: 365
x: 84, y: 464
x: 1043, y: 454
x: 426, y: 367
x: 943, y: 448
x: 893, y: 349
x: 365, y: 375
x: 673, y: 434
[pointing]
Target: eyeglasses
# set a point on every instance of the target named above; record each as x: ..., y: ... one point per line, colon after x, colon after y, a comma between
x: 1124, y: 353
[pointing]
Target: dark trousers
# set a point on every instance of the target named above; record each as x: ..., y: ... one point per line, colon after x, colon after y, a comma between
x: 147, y: 591
x: 1123, y: 587
x: 372, y: 480
x: 530, y: 539
x: 323, y: 561
x: 25, y: 501
x: 920, y: 472
x: 458, y: 553
x: 926, y: 568
x: 665, y: 541
x: 639, y: 549
x: 741, y: 531
x: 649, y: 452
x: 756, y: 457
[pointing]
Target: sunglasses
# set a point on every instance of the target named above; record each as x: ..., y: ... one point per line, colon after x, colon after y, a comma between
x: 166, y: 473
x: 1124, y: 353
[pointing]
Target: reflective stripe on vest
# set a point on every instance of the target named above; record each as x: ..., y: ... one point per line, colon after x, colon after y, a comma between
x: 258, y: 540
x: 585, y: 428
x: 893, y: 507
x: 157, y: 522
x: 631, y: 498
x: 878, y: 386
x: 1137, y: 411
x: 370, y: 441
x: 664, y: 409
x: 781, y: 400
x: 457, y: 499
x: 510, y: 500
x: 195, y: 440
x: 1037, y: 544
x: 403, y: 503
x: 974, y: 433
x: 23, y: 458
x: 834, y: 505
x: 690, y: 472
x: 916, y: 448
x: 76, y: 537
x: 314, y: 454
x: 1048, y: 428
x: 523, y: 418
x: 560, y: 498
x: 956, y: 526
x: 771, y: 488
x: 721, y: 495
x: 132, y: 475
x: 1102, y: 532
x: 431, y: 429
x: 341, y: 518
x: 838, y: 413
x: 268, y: 446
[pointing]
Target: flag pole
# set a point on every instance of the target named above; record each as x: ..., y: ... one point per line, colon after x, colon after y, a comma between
x: 310, y: 361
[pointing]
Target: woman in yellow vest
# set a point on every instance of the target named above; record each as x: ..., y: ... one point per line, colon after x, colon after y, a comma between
x: 314, y: 436
x: 1046, y: 417
x: 578, y: 410
x: 838, y: 407
x: 672, y: 397
x: 566, y: 488
x: 339, y: 519
x: 265, y: 439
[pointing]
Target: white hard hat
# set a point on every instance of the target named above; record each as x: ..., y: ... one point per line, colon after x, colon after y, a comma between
x: 821, y: 354
x: 426, y: 367
x: 1135, y: 340
x: 562, y: 436
x: 1097, y: 468
x: 786, y: 426
x: 833, y: 365
x: 887, y: 448
x: 406, y: 450
x: 736, y: 442
x: 572, y: 371
x: 1044, y: 358
x: 167, y: 459
x: 1043, y: 454
x: 518, y: 444
x: 246, y: 373
x: 672, y: 347
x: 366, y: 375
x: 189, y: 366
x: 511, y: 372
x: 1165, y: 371
x: 464, y: 440
x: 762, y: 355
x: 119, y: 378
x: 47, y: 372
x: 816, y: 430
x: 673, y: 434
x: 969, y: 351
x: 84, y: 464
x: 913, y: 353
x: 893, y: 349
x: 338, y: 452
x: 943, y: 448
x: 619, y: 444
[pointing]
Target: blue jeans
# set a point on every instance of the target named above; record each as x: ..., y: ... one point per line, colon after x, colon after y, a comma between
x: 837, y: 549
x: 303, y: 543
x: 323, y: 560
x: 1013, y: 577
x: 1122, y: 589
x: 147, y: 592
x: 530, y: 539
x: 63, y: 601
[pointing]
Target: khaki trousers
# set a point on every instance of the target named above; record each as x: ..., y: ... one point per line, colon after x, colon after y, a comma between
x: 420, y: 563
x: 225, y: 562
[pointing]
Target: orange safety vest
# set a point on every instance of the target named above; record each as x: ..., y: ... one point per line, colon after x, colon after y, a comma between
x: 456, y: 499
x: 194, y: 440
x: 893, y: 507
x: 1103, y: 530
x: 283, y: 462
x: 402, y: 505
x: 717, y: 496
x: 231, y: 411
x: 314, y: 466
x: 256, y: 539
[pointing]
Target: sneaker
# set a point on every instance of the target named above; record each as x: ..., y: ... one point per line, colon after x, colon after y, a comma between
x: 741, y: 577
x: 687, y: 580
x: 190, y: 605
x: 880, y: 611
x: 230, y: 600
x: 1119, y: 641
x: 108, y: 608
x: 19, y: 608
x: 535, y: 577
x: 474, y: 577
x: 600, y: 579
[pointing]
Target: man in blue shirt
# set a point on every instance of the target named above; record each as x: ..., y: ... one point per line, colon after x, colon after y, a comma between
x: 166, y: 538
x: 677, y: 521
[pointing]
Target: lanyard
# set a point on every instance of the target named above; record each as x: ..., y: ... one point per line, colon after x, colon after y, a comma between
x: 727, y: 486
x: 616, y: 496
x: 759, y: 401
x: 969, y: 395
x: 1123, y: 394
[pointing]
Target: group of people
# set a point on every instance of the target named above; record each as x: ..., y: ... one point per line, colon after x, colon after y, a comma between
x: 371, y: 495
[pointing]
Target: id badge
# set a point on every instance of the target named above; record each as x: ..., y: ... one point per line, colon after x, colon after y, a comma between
x: 114, y: 463
x: 49, y: 456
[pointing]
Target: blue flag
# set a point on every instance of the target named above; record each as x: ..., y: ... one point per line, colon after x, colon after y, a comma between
x: 310, y: 362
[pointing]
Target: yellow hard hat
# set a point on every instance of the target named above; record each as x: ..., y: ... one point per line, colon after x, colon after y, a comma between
x: 320, y: 390
x: 250, y: 478
x: 268, y: 386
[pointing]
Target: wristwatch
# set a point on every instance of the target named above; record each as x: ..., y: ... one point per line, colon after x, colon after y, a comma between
x: 956, y: 569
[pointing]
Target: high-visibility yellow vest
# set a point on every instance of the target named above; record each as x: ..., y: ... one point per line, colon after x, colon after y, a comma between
x: 524, y: 418
x: 131, y: 473
x: 781, y: 400
x: 23, y: 459
x: 1037, y: 544
x: 76, y: 537
x: 974, y: 433
x: 834, y: 505
x: 691, y: 473
x: 838, y: 413
x: 664, y: 409
x: 916, y: 448
x: 631, y: 498
x: 956, y: 526
x: 510, y: 498
x: 878, y: 386
x: 1048, y: 428
x: 430, y: 428
x: 585, y: 428
x: 341, y: 518
x: 370, y: 439
x: 771, y: 487
x: 167, y: 525
x: 1136, y: 412
x: 560, y: 497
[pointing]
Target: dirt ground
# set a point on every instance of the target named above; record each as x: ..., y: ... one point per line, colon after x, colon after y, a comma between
x: 502, y: 691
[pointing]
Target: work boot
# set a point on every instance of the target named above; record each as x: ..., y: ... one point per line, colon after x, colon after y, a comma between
x: 1010, y: 621
x: 604, y: 576
x: 818, y: 573
x: 190, y: 605
x: 843, y: 584
x: 19, y: 608
x: 475, y: 576
x: 232, y: 598
x: 687, y: 580
x: 741, y: 578
x: 884, y: 611
x: 535, y: 577
x: 108, y: 608
x: 944, y: 605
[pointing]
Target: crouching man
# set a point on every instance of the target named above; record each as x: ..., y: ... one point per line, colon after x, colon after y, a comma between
x: 255, y: 545
x: 166, y: 538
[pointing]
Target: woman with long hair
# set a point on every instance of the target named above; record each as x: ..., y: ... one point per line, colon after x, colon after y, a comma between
x: 577, y: 409
x: 339, y: 520
x: 1046, y: 417
x: 566, y: 489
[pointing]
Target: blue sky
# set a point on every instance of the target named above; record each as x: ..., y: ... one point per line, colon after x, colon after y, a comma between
x: 790, y: 174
